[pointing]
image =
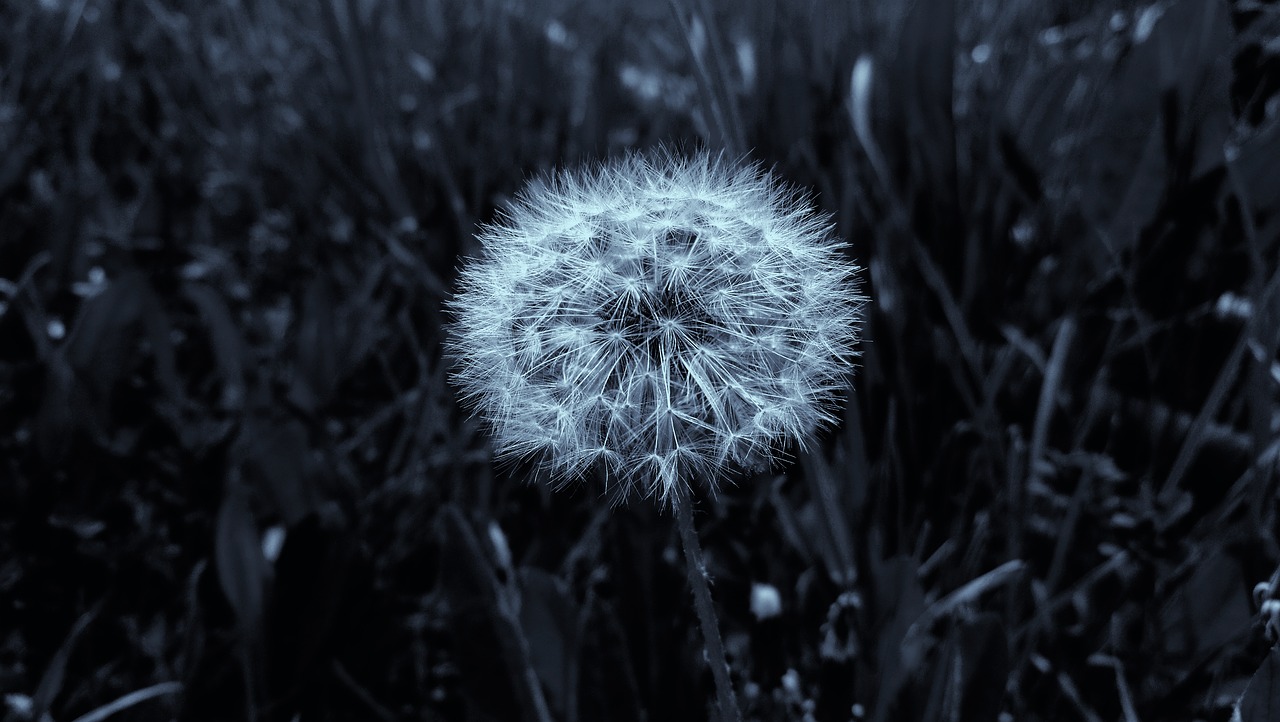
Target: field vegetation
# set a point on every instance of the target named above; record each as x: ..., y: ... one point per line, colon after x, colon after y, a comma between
x: 235, y: 482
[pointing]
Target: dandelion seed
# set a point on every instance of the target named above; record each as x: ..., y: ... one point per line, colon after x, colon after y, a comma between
x: 658, y: 318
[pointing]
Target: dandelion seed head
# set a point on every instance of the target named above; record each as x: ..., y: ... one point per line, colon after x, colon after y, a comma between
x: 661, y: 319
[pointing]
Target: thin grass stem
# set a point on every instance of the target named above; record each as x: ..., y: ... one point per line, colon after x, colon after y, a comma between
x: 129, y: 700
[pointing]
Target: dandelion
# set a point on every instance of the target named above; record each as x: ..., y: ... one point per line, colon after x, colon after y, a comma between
x: 663, y: 320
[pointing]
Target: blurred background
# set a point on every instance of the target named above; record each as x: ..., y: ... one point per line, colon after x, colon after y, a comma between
x: 235, y: 484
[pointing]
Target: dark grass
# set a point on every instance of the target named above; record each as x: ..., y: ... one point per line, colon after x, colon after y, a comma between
x: 227, y: 228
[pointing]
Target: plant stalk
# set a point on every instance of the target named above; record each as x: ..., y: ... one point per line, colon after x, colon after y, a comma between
x: 725, y: 697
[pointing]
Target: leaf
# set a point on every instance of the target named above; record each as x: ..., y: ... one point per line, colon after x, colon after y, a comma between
x: 1109, y: 135
x: 224, y: 337
x: 242, y: 570
x: 361, y: 322
x: 609, y: 686
x: 549, y: 618
x: 789, y: 525
x: 103, y: 346
x: 1261, y: 699
x: 1252, y: 166
x: 899, y: 603
x: 968, y: 680
x: 55, y: 673
x: 1125, y: 161
x: 1210, y: 610
x: 1175, y: 80
x: 829, y: 519
x: 926, y: 67
x: 274, y: 456
x: 1049, y: 139
x: 317, y: 348
x: 105, y: 330
x: 1019, y: 167
x: 1194, y: 40
x: 1038, y: 108
x: 483, y: 619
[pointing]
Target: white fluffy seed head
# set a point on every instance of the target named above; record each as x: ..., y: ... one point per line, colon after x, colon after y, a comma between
x: 660, y: 319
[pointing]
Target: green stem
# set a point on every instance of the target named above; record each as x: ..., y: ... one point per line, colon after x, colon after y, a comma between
x: 726, y: 699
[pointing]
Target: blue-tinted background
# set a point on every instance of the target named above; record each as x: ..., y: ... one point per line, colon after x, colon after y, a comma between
x: 231, y: 464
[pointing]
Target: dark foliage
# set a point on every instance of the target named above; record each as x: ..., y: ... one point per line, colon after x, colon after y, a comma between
x: 235, y: 483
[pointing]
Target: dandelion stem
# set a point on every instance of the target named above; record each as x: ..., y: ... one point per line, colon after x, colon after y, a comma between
x: 697, y: 570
